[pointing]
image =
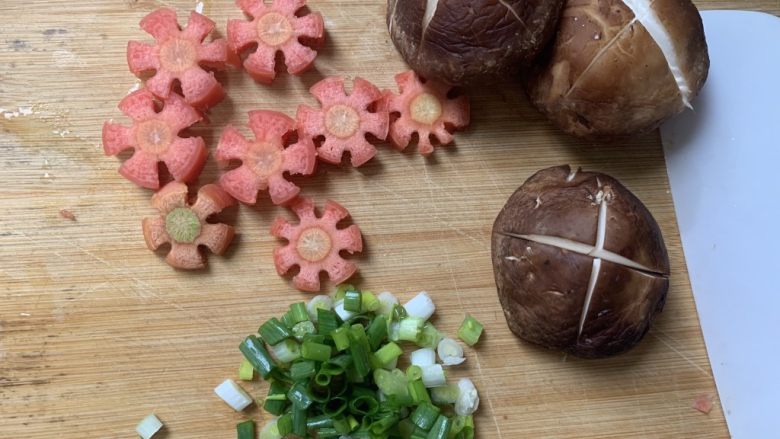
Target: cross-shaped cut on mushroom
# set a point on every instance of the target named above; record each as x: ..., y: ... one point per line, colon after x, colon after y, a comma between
x: 265, y: 160
x: 154, y: 137
x: 344, y: 120
x: 315, y: 244
x: 184, y: 226
x: 580, y: 263
x: 180, y: 54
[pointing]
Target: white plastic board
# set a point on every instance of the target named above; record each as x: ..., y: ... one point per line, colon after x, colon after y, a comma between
x: 723, y: 161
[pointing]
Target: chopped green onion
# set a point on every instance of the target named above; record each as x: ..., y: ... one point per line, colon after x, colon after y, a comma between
x: 369, y: 302
x: 450, y: 352
x: 463, y: 427
x: 148, y: 427
x: 233, y: 395
x: 425, y: 415
x: 301, y: 329
x: 441, y: 428
x: 336, y: 365
x: 391, y: 383
x: 245, y: 371
x: 321, y: 301
x: 257, y: 355
x: 276, y: 401
x: 299, y: 420
x: 315, y: 351
x: 381, y: 426
x: 299, y: 396
x: 246, y: 429
x: 399, y: 313
x: 341, y: 338
x: 413, y: 372
x: 420, y: 306
x: 377, y: 331
x: 418, y: 392
x: 470, y: 330
x: 388, y: 353
x: 446, y: 394
x: 322, y: 379
x: 321, y: 421
x: 360, y: 350
x: 273, y: 331
x: 341, y: 290
x: 429, y: 336
x: 335, y: 406
x: 363, y: 402
x: 353, y: 423
x: 327, y: 321
x: 318, y: 393
x: 298, y: 312
x: 468, y: 398
x: 352, y: 301
x: 386, y: 303
x: 285, y: 424
x: 406, y: 428
x: 433, y: 376
x: 343, y: 313
x: 286, y: 351
x: 315, y: 338
x: 302, y: 370
x: 423, y: 357
x: 270, y: 430
x: 410, y: 328
x: 327, y: 432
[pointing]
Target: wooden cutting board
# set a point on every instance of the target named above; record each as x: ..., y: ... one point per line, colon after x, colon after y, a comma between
x: 96, y: 331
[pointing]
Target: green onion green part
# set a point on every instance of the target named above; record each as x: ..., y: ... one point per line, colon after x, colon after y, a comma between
x: 440, y: 429
x: 369, y: 302
x: 245, y: 430
x: 302, y: 370
x: 377, y: 331
x: 327, y: 320
x: 425, y: 415
x: 341, y: 338
x: 388, y: 353
x: 470, y: 330
x: 352, y: 301
x: 254, y: 351
x: 273, y: 331
x: 245, y: 371
x: 299, y: 420
x: 315, y: 351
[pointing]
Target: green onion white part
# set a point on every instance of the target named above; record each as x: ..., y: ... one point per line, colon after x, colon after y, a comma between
x: 423, y: 357
x: 468, y: 399
x: 433, y: 376
x: 420, y: 306
x: 450, y: 352
x: 233, y: 395
x: 270, y: 430
x: 386, y: 303
x: 446, y: 394
x: 316, y: 302
x: 148, y: 427
x: 286, y: 351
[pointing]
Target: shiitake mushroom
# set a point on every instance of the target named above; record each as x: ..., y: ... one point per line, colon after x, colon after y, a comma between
x: 468, y: 41
x: 619, y: 68
x: 580, y: 264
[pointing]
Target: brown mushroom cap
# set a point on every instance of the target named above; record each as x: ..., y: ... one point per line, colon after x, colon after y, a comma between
x: 546, y: 247
x: 609, y: 73
x: 463, y: 41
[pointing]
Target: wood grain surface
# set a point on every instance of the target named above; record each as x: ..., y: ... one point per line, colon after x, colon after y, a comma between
x: 96, y: 331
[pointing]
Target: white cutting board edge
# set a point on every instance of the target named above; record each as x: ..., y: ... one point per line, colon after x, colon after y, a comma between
x: 722, y: 161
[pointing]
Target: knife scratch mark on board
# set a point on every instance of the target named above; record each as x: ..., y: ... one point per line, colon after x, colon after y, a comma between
x: 683, y: 356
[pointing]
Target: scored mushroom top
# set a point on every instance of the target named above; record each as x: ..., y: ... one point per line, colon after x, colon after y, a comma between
x: 621, y: 67
x: 464, y: 41
x: 580, y: 263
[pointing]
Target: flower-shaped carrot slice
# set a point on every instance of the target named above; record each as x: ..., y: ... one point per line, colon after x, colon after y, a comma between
x: 266, y: 159
x: 344, y: 120
x: 184, y: 226
x: 276, y: 28
x: 155, y: 138
x: 314, y: 245
x: 424, y: 108
x: 180, y: 54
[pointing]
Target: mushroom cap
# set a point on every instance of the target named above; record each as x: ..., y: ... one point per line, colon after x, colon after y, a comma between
x: 544, y: 287
x: 465, y: 41
x: 618, y: 69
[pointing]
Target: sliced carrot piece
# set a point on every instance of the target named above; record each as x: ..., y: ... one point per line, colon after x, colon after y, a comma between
x: 180, y: 54
x: 314, y: 245
x: 265, y: 160
x: 424, y: 108
x: 154, y: 137
x: 276, y: 28
x: 184, y: 225
x: 344, y: 120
